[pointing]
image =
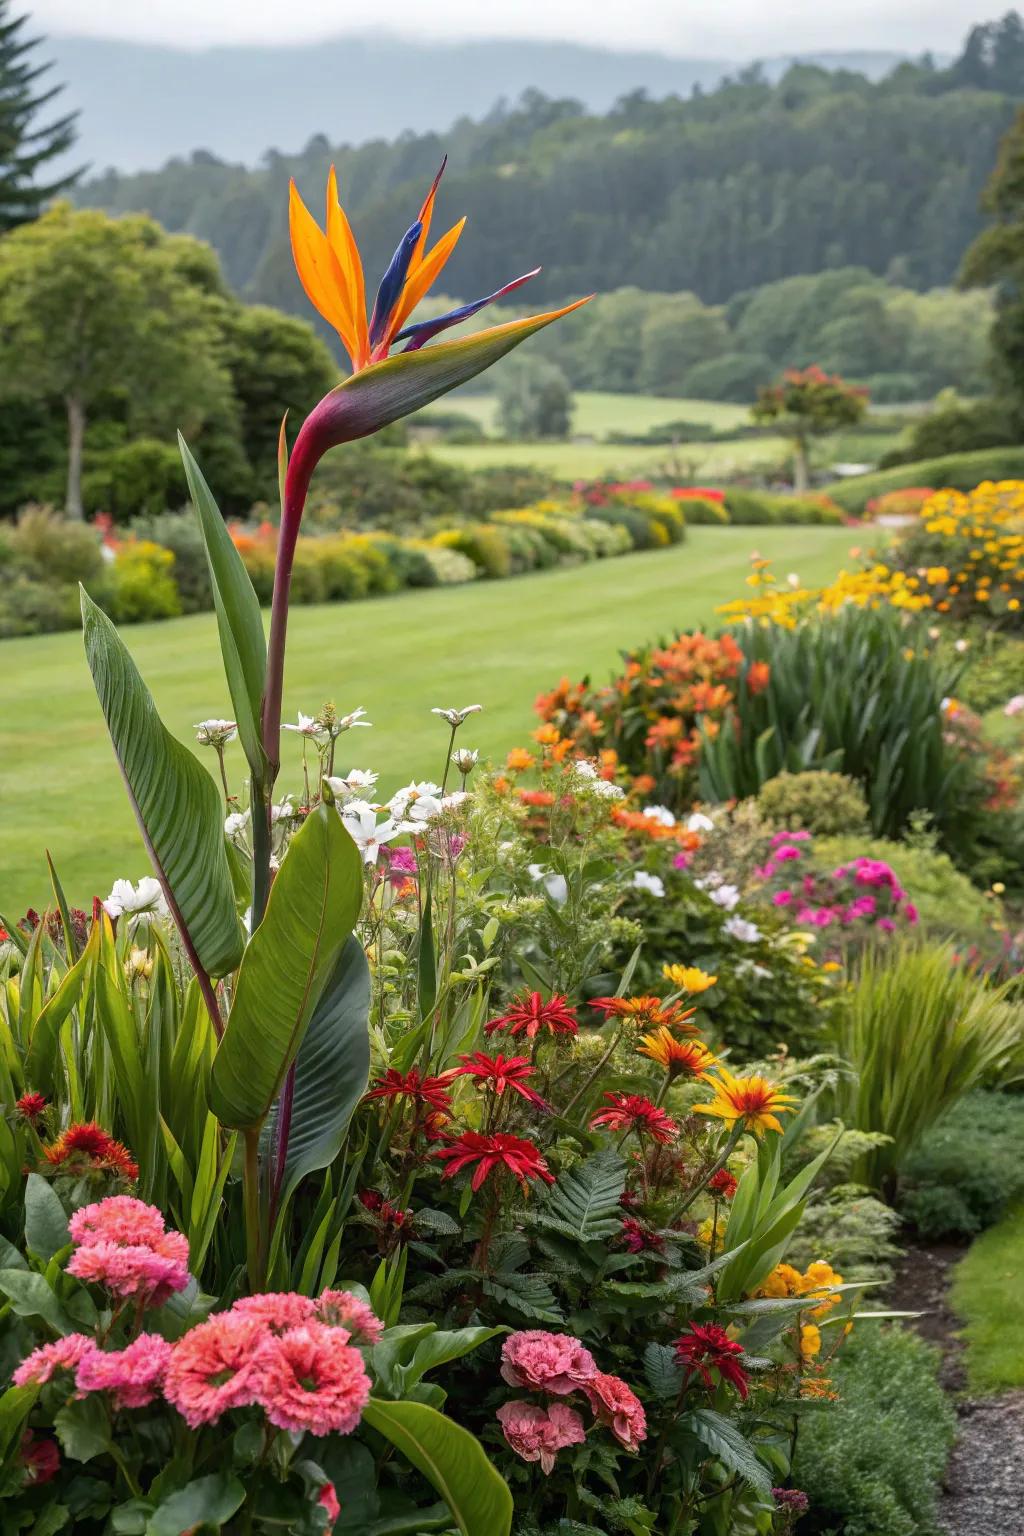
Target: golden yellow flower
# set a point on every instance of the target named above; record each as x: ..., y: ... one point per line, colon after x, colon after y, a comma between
x: 689, y: 977
x: 753, y: 1102
x: 680, y: 1058
x: 810, y: 1341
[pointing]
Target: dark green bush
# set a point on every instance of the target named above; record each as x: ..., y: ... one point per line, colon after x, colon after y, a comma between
x: 144, y: 476
x: 701, y: 510
x: 764, y: 507
x: 821, y: 802
x: 967, y: 1171
x: 959, y: 472
x: 872, y: 1465
x: 957, y: 428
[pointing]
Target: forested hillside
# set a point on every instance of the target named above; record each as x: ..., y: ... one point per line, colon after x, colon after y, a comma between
x: 715, y: 194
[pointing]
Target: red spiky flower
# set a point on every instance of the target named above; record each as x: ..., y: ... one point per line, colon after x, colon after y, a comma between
x: 423, y: 1091
x: 501, y: 1072
x: 89, y: 1145
x: 634, y: 1112
x: 30, y: 1106
x: 706, y: 1347
x: 636, y: 1238
x: 530, y: 1013
x: 722, y: 1185
x: 491, y: 1153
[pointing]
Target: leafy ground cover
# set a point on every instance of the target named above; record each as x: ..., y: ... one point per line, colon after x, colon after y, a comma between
x: 494, y: 642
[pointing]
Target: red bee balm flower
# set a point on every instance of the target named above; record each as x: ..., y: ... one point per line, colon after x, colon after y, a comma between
x: 706, y: 1347
x: 520, y: 1157
x: 31, y: 1105
x: 723, y: 1185
x: 632, y: 1112
x: 433, y: 1091
x: 501, y: 1072
x: 90, y: 1144
x: 530, y: 1014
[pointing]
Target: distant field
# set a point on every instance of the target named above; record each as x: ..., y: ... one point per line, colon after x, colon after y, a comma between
x: 494, y: 643
x: 591, y: 461
x: 596, y: 414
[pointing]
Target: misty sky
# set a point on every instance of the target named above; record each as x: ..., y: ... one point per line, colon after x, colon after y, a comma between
x: 708, y: 28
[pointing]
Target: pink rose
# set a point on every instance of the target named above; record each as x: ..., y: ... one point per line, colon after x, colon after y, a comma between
x: 537, y: 1434
x: 617, y: 1405
x: 546, y: 1362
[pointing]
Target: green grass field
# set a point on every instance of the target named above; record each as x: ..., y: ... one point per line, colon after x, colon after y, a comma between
x: 596, y: 413
x: 497, y: 644
x: 592, y: 460
x: 986, y: 1294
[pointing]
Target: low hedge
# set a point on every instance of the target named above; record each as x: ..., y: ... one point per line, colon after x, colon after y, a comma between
x: 751, y: 508
x: 957, y: 471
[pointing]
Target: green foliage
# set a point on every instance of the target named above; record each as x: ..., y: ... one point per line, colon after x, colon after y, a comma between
x: 27, y: 145
x: 954, y: 427
x: 42, y: 560
x: 995, y: 666
x: 822, y: 803
x: 948, y: 904
x: 143, y: 583
x: 875, y: 1461
x: 534, y: 400
x: 919, y: 1032
x: 959, y: 472
x: 996, y: 259
x: 143, y: 476
x: 759, y: 507
x: 966, y: 1172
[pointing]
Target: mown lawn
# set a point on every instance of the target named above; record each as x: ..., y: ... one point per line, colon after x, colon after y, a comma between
x: 497, y: 644
x: 987, y: 1295
x: 596, y: 413
x: 589, y: 460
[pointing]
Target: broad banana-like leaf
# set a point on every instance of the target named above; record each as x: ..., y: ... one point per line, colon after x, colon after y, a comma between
x: 176, y: 803
x: 314, y: 903
x: 331, y: 1069
x: 451, y: 1459
x: 242, y: 642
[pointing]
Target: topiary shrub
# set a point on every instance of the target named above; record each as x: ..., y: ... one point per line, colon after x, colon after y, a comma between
x: 823, y: 803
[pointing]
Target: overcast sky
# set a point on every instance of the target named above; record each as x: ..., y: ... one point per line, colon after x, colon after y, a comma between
x: 708, y: 28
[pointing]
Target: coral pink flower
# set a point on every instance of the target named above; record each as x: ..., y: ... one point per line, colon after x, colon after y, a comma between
x: 63, y: 1355
x: 118, y: 1219
x: 214, y: 1367
x: 328, y: 1498
x: 40, y: 1458
x: 151, y: 1273
x: 277, y: 1310
x: 617, y: 1405
x: 310, y: 1379
x: 537, y: 1434
x: 546, y: 1362
x: 134, y: 1375
x: 340, y: 1309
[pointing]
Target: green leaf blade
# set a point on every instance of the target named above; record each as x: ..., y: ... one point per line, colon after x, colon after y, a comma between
x: 452, y: 1460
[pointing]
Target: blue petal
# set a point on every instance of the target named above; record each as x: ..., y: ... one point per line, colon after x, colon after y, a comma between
x: 423, y: 330
x: 392, y: 282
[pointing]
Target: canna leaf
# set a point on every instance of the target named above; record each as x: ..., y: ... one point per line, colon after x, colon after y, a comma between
x: 175, y: 801
x: 452, y: 1460
x: 314, y: 903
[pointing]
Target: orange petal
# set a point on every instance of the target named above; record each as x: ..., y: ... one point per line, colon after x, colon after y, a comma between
x: 421, y: 277
x: 346, y: 251
x: 319, y: 271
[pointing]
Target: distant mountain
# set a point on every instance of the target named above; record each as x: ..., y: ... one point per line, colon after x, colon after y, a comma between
x: 141, y: 104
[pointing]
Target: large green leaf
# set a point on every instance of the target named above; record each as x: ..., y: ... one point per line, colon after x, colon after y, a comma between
x: 452, y: 1460
x: 288, y: 965
x: 176, y: 803
x: 208, y: 1501
x: 242, y: 642
x: 331, y: 1069
x: 728, y: 1445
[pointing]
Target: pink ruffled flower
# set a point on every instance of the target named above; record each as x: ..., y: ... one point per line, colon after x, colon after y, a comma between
x: 63, y: 1355
x: 538, y: 1434
x: 214, y: 1367
x: 134, y: 1375
x: 310, y: 1379
x: 616, y: 1404
x: 340, y: 1309
x: 546, y: 1362
x: 153, y: 1273
x: 277, y: 1310
x: 120, y: 1219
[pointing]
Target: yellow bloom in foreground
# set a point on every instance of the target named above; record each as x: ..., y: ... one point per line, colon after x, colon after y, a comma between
x: 690, y: 1058
x: 753, y: 1100
x: 784, y: 1280
x: 810, y: 1341
x: 689, y: 977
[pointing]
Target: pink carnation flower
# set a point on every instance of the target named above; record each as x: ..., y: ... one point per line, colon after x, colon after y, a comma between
x: 134, y: 1375
x: 63, y: 1355
x: 120, y: 1219
x: 617, y: 1405
x: 310, y: 1379
x: 214, y: 1367
x: 546, y: 1362
x: 538, y: 1434
x: 340, y: 1309
x: 277, y: 1310
x: 153, y: 1273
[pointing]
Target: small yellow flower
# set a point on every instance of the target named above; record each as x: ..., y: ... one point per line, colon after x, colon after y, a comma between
x: 810, y: 1341
x: 689, y: 977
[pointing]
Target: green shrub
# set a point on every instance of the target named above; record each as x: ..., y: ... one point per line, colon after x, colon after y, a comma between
x: 30, y: 607
x: 947, y: 903
x: 872, y: 1466
x: 484, y: 543
x: 967, y: 1171
x: 995, y: 669
x: 143, y: 476
x: 702, y: 510
x: 765, y: 507
x: 957, y: 428
x: 144, y: 586
x: 180, y: 533
x: 45, y: 546
x: 958, y: 472
x: 449, y: 566
x: 821, y: 802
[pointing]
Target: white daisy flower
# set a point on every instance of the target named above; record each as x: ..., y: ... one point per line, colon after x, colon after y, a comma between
x: 455, y: 717
x: 652, y: 884
x: 236, y: 823
x: 310, y: 727
x: 739, y: 928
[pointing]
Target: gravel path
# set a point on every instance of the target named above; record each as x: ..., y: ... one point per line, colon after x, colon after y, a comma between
x: 982, y: 1496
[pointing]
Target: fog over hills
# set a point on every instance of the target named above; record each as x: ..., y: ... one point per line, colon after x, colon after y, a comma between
x: 143, y: 103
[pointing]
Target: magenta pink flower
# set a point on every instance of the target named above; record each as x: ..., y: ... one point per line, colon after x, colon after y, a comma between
x: 546, y: 1362
x: 118, y: 1219
x: 340, y: 1309
x: 214, y: 1367
x: 134, y: 1375
x: 310, y: 1379
x: 151, y: 1273
x: 538, y: 1434
x: 277, y: 1310
x: 617, y: 1405
x: 63, y: 1355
